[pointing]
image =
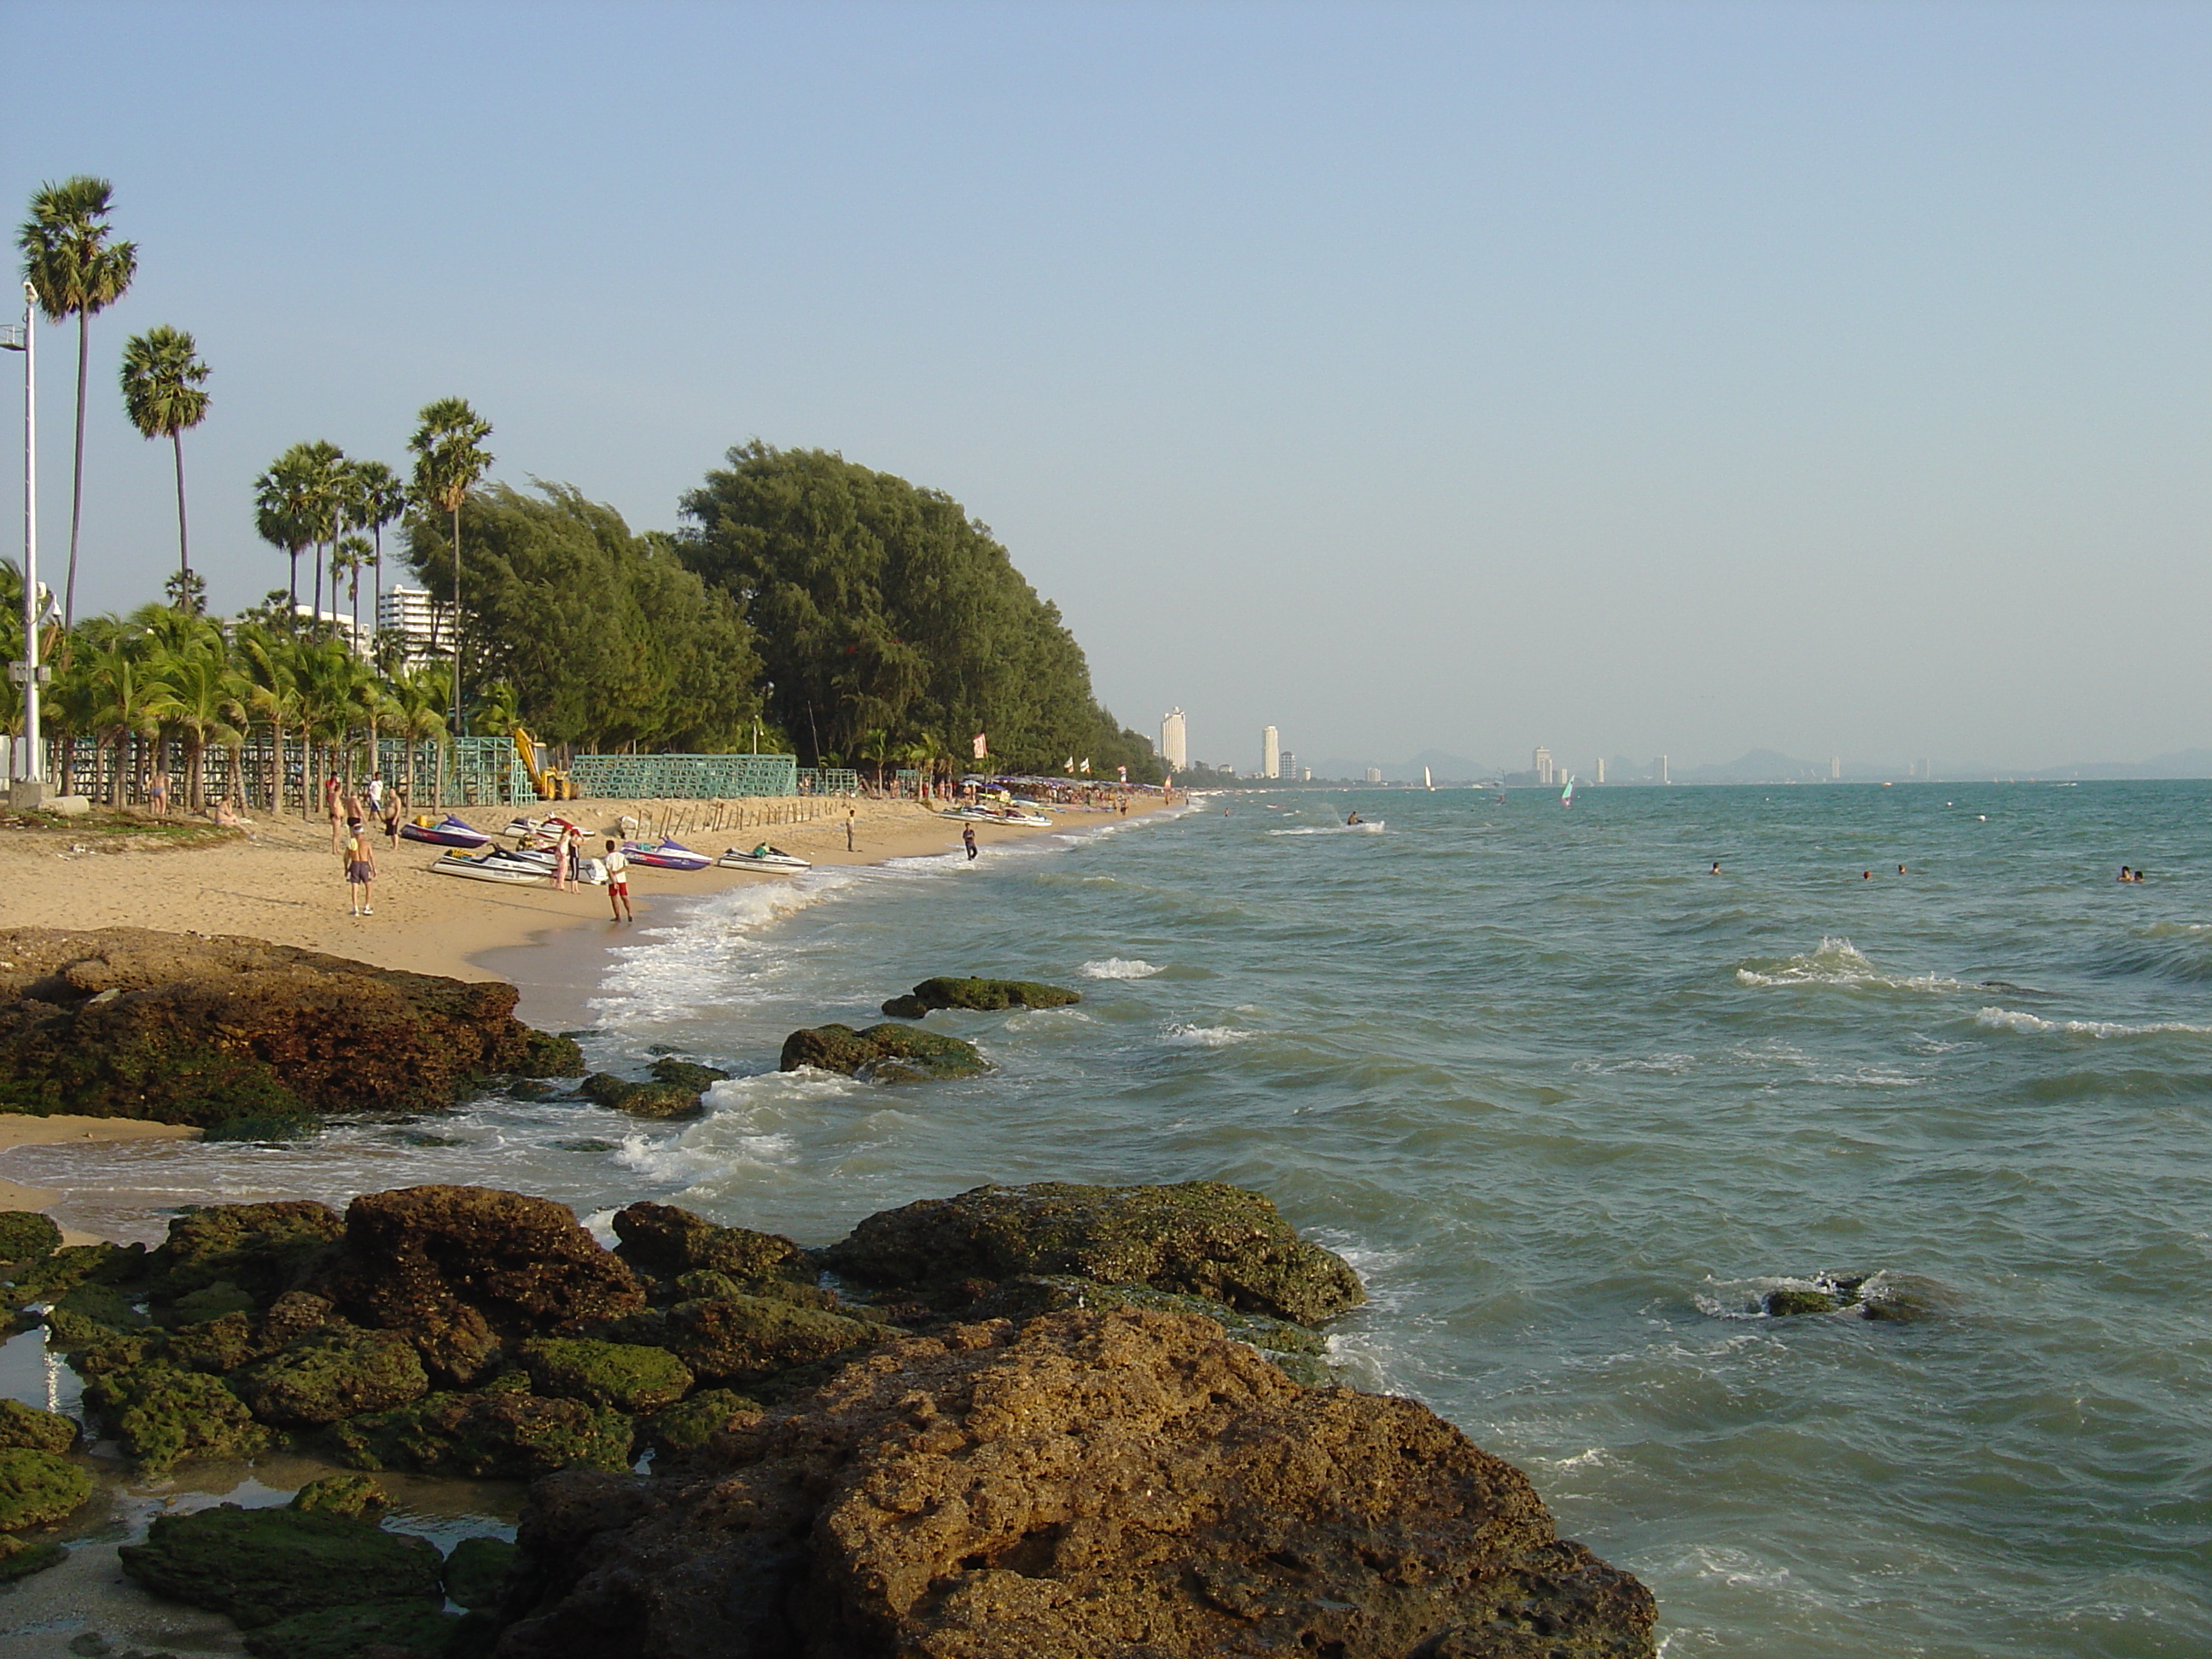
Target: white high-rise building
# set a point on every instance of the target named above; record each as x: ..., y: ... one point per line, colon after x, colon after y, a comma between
x: 1598, y: 776
x: 1174, y: 746
x: 417, y: 618
x: 1541, y: 762
x: 1271, y: 753
x: 1835, y: 768
x: 1290, y: 766
x: 1659, y: 770
x: 1374, y: 774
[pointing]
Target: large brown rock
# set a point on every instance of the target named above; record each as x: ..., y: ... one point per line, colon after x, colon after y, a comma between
x: 1197, y: 1238
x: 124, y: 1021
x: 461, y: 1270
x: 662, y: 1240
x: 1127, y: 1485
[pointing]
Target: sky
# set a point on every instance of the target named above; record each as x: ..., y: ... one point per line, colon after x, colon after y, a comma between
x: 1627, y: 379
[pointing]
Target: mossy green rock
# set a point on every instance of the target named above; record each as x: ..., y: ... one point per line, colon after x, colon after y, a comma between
x: 20, y: 1557
x: 1280, y: 1340
x: 475, y: 1572
x: 677, y: 1431
x: 209, y: 1302
x: 261, y: 1565
x: 1782, y: 1304
x: 546, y: 1054
x: 28, y: 1235
x: 163, y: 1415
x: 213, y: 1345
x: 81, y: 1264
x: 389, y: 1628
x: 984, y: 995
x: 686, y: 1074
x: 37, y: 1488
x: 354, y: 1495
x: 1196, y: 1238
x: 103, y: 1305
x: 883, y: 1054
x: 655, y: 1100
x: 262, y: 1250
x: 331, y: 1375
x: 664, y: 1240
x: 28, y: 1427
x: 621, y: 1375
x: 496, y: 1435
x: 742, y: 1339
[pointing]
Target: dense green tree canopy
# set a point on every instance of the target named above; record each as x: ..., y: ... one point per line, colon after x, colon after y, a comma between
x: 886, y: 616
x: 607, y: 640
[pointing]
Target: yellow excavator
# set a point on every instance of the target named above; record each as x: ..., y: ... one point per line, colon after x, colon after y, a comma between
x: 550, y: 783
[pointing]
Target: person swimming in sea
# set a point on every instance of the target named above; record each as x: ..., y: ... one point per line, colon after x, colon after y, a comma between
x: 1715, y: 870
x: 2126, y: 875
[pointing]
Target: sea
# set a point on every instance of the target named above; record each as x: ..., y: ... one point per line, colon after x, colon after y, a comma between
x: 1575, y: 1105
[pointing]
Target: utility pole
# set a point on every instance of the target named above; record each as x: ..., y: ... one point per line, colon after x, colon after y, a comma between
x: 26, y: 790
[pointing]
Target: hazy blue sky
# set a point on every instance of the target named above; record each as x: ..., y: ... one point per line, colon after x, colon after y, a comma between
x: 1624, y: 377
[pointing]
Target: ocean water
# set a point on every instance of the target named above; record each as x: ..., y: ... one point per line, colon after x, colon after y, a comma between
x: 1572, y: 1105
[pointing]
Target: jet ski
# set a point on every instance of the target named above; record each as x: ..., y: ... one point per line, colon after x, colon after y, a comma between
x: 491, y: 867
x: 448, y: 831
x: 762, y: 857
x: 665, y: 855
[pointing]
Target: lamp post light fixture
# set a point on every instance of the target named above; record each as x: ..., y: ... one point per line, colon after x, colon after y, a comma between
x: 27, y: 787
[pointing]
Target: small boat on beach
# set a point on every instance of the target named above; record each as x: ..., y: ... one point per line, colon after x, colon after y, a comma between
x: 498, y: 866
x: 448, y: 831
x: 665, y: 855
x: 762, y: 857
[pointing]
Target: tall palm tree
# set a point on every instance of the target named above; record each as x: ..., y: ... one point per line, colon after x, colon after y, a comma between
x: 332, y: 483
x: 76, y: 271
x: 271, y: 693
x: 379, y: 497
x: 162, y: 375
x: 416, y: 695
x: 291, y: 502
x: 347, y: 558
x: 449, y: 458
x: 196, y: 698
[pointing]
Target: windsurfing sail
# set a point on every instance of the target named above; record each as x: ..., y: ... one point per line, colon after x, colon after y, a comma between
x: 1567, y: 794
x: 1427, y: 783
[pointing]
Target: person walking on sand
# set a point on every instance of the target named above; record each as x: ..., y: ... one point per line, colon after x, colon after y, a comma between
x: 618, y: 881
x: 968, y: 840
x: 851, y: 813
x: 361, y: 870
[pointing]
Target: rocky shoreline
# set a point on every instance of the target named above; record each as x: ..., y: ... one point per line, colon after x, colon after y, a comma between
x: 1035, y: 1420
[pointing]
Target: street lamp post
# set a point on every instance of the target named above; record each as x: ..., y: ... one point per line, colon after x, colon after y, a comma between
x: 26, y: 788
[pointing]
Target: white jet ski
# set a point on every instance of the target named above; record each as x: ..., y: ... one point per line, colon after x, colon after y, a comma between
x: 762, y: 857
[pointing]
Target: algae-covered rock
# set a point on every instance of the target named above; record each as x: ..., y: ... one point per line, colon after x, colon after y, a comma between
x: 210, y: 1302
x: 459, y: 1270
x: 262, y: 1250
x: 1198, y: 1238
x: 1292, y: 1348
x: 883, y: 1053
x: 353, y: 1495
x: 546, y: 1054
x: 984, y: 995
x: 622, y: 1376
x: 497, y: 1435
x: 656, y: 1100
x: 81, y: 1264
x: 477, y: 1571
x: 28, y: 1427
x: 20, y: 1557
x: 37, y: 1488
x: 661, y: 1239
x: 100, y: 1307
x: 261, y: 1565
x: 333, y: 1374
x: 686, y: 1074
x: 124, y: 1022
x: 163, y: 1415
x: 380, y: 1630
x: 28, y: 1235
x: 1782, y: 1304
x: 213, y: 1345
x: 674, y: 1433
x: 744, y: 1339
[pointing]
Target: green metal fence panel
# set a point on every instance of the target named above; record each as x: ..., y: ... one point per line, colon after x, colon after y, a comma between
x: 827, y: 781
x: 484, y: 772
x: 683, y: 777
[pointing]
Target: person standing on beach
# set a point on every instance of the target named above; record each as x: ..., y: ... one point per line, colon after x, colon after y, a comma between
x: 392, y: 821
x: 851, y: 813
x: 618, y: 883
x: 968, y: 840
x: 361, y: 870
x: 564, y: 860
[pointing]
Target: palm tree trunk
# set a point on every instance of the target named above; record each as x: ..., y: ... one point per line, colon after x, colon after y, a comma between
x: 184, y: 549
x: 318, y: 584
x: 295, y: 585
x: 459, y: 726
x: 76, y: 484
x: 376, y: 589
x: 194, y: 760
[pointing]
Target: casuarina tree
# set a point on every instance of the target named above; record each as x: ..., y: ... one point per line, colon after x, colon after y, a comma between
x: 449, y: 458
x: 162, y: 375
x: 76, y: 271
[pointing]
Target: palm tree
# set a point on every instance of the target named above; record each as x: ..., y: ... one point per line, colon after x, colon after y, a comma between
x: 269, y: 692
x: 161, y: 378
x: 347, y: 558
x: 197, y: 698
x: 378, y: 499
x: 76, y: 271
x: 449, y: 458
x: 284, y: 505
x: 417, y: 694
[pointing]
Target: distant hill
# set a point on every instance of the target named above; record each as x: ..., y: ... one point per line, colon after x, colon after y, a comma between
x: 2179, y: 764
x: 1447, y: 769
x: 1759, y: 766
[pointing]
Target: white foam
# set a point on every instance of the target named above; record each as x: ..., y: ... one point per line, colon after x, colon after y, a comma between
x: 1373, y: 829
x: 1840, y: 962
x: 1204, y: 1036
x: 2007, y: 1019
x: 1666, y: 1065
x: 1119, y: 968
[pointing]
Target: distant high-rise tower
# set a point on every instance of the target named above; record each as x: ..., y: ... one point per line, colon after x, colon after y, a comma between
x: 1374, y: 774
x: 1598, y: 776
x: 1175, y: 748
x: 1271, y: 753
x: 1659, y: 770
x: 1835, y: 768
x: 1541, y: 762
